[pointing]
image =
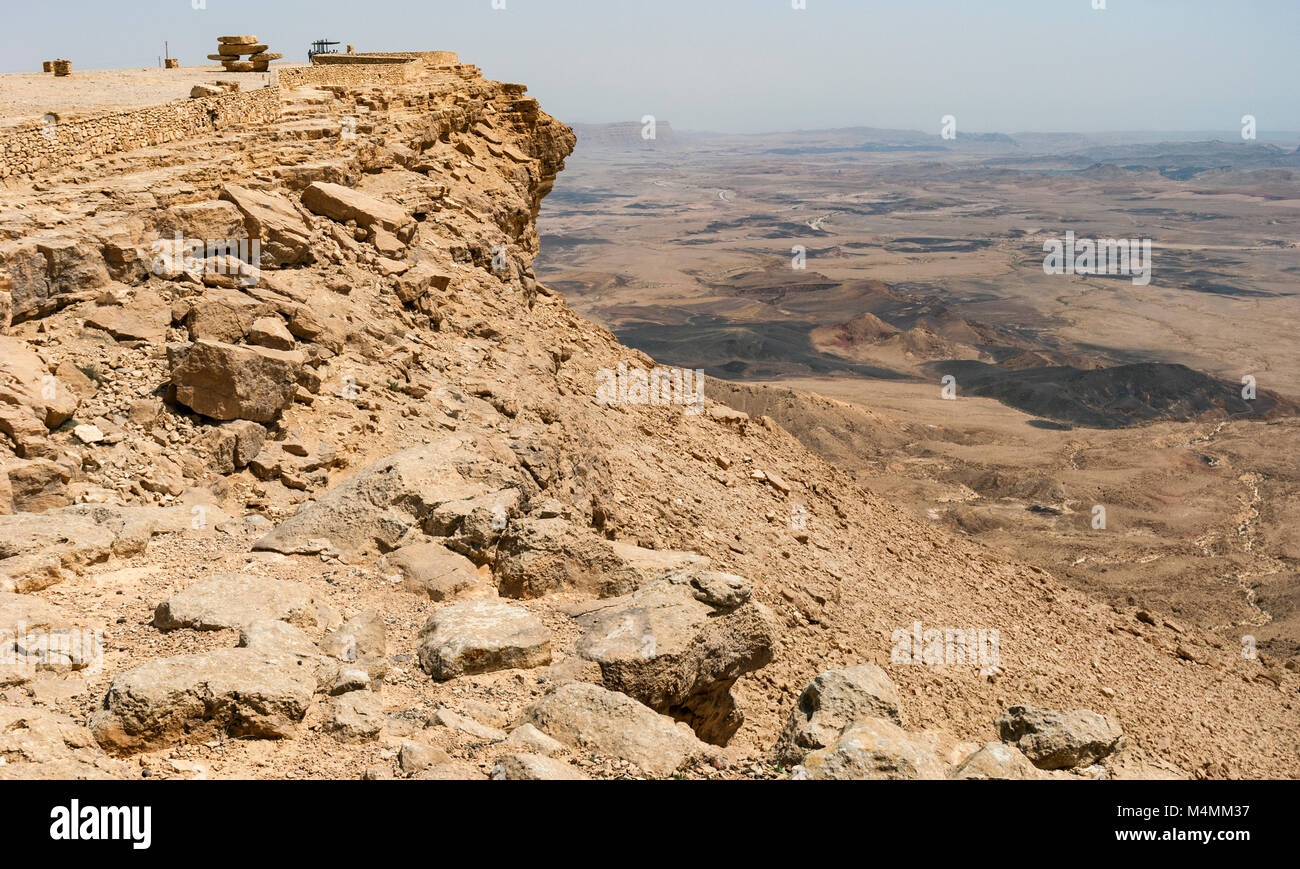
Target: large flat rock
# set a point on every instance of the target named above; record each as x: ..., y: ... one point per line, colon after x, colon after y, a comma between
x: 482, y: 636
x: 192, y: 698
x: 237, y: 600
x: 343, y: 204
x: 593, y: 719
x: 226, y: 381
x: 284, y: 233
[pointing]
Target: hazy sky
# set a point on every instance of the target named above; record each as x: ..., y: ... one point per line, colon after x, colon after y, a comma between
x: 755, y: 65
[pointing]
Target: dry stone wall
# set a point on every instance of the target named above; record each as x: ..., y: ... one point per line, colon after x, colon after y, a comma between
x: 32, y: 149
x: 37, y: 148
x: 348, y: 74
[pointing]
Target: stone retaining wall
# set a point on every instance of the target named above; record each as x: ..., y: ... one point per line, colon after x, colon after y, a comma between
x: 432, y: 58
x: 349, y: 74
x: 32, y: 149
x: 38, y: 148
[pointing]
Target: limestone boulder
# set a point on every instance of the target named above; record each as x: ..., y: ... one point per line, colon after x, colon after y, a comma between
x: 423, y: 279
x: 473, y: 526
x: 832, y: 703
x: 35, y: 549
x: 873, y: 749
x: 32, y: 400
x: 270, y: 332
x: 595, y: 720
x: 997, y: 761
x: 482, y: 636
x: 193, y: 698
x: 283, y: 232
x: 145, y: 319
x: 359, y: 645
x: 1060, y: 739
x: 234, y: 600
x: 343, y: 204
x: 415, y: 757
x: 354, y: 718
x: 226, y: 382
x: 676, y: 654
x: 39, y: 744
x: 38, y: 637
x: 432, y: 570
x: 535, y: 767
x: 233, y: 445
x: 223, y: 315
x: 36, y: 485
x: 210, y: 220
x: 46, y: 274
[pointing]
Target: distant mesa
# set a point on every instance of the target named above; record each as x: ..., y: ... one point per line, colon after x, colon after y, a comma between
x: 1115, y: 397
x: 868, y: 338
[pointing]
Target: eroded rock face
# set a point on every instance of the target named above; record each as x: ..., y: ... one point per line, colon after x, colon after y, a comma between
x: 192, y: 698
x: 593, y: 719
x: 1060, y: 739
x: 226, y: 382
x: 676, y: 654
x: 831, y: 704
x: 873, y: 749
x: 481, y: 636
x: 236, y: 600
